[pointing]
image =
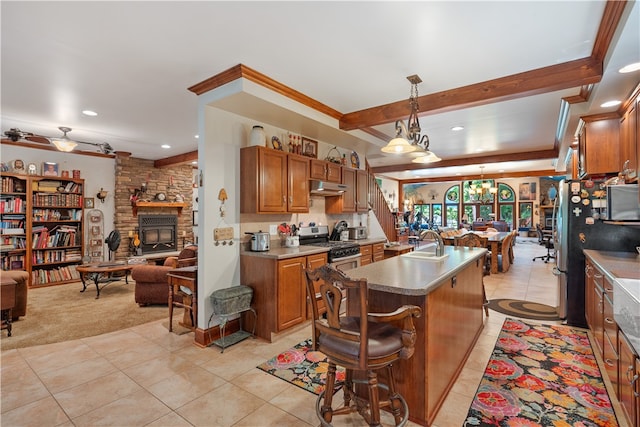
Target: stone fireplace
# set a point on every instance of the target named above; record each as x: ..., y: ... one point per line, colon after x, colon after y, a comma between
x: 158, y: 233
x: 130, y: 174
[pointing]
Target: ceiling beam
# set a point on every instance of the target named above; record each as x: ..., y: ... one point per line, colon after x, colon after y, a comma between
x: 542, y: 80
x: 496, y: 158
x: 178, y: 159
x: 496, y: 176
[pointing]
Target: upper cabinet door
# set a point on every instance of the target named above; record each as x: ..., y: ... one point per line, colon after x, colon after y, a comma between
x: 325, y: 171
x: 273, y: 181
x: 298, y: 187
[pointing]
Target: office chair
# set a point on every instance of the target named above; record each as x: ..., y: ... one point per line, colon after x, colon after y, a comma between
x: 359, y: 346
x: 545, y: 240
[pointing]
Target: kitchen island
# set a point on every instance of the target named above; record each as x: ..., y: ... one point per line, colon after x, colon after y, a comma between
x: 449, y: 292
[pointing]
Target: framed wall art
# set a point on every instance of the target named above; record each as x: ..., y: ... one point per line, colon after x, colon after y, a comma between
x: 49, y: 169
x: 88, y: 202
x: 309, y: 147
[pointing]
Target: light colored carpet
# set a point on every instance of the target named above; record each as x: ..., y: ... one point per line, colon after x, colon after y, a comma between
x: 62, y: 313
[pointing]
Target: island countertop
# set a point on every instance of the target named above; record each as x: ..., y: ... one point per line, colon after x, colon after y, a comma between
x: 407, y: 275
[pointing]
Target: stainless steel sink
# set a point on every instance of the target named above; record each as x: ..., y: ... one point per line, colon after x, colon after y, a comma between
x: 428, y: 256
x: 626, y: 308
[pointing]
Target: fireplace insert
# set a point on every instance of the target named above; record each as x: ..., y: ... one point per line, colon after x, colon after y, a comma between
x: 158, y: 233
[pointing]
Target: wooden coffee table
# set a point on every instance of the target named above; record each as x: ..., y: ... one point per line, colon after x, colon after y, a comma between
x: 102, y: 273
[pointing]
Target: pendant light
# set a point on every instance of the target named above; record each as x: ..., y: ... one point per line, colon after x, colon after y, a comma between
x: 408, y: 138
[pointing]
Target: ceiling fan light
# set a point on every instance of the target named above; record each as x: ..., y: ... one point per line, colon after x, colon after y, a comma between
x: 398, y: 145
x: 65, y: 145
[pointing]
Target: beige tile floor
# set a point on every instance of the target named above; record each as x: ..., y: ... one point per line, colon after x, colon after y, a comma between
x: 146, y: 376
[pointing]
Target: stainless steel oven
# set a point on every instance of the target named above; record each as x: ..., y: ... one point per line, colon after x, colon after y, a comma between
x: 346, y: 263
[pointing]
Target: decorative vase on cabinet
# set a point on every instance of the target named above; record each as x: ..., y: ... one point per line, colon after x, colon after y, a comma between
x: 258, y: 137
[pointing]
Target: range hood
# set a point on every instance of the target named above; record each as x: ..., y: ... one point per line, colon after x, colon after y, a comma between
x: 323, y: 188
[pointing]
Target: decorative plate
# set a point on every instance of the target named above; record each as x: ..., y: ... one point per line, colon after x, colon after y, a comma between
x: 355, y: 160
x: 275, y: 143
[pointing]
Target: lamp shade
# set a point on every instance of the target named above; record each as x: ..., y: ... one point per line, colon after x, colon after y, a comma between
x: 426, y: 157
x: 398, y: 145
x: 65, y: 145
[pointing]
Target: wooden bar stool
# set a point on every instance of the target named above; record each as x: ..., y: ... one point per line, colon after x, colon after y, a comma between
x: 360, y: 342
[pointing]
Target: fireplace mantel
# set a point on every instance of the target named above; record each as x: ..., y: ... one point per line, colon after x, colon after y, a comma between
x: 159, y: 205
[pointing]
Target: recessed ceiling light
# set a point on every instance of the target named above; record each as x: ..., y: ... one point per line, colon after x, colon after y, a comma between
x: 457, y: 128
x: 165, y: 146
x: 458, y: 174
x: 196, y: 136
x: 610, y: 104
x: 501, y: 170
x: 89, y: 113
x: 195, y: 162
x: 630, y: 68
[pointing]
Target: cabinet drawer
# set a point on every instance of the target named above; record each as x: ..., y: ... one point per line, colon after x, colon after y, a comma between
x: 608, y: 322
x: 378, y: 252
x: 610, y: 358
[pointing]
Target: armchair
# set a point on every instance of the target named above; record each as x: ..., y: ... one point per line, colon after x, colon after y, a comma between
x: 152, y: 283
x: 21, y: 278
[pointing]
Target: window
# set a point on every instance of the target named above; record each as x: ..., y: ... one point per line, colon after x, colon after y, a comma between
x: 452, y: 200
x: 506, y: 204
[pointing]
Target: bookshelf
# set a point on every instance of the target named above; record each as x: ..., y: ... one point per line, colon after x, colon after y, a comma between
x: 44, y: 224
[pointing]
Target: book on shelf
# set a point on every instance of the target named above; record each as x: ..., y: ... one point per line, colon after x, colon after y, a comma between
x: 12, y: 231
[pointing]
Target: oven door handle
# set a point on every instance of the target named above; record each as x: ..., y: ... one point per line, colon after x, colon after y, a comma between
x: 346, y: 258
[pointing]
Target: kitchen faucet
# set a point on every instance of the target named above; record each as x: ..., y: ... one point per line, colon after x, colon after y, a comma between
x: 438, y: 239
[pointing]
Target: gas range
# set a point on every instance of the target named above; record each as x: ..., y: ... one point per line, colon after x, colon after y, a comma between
x: 319, y: 236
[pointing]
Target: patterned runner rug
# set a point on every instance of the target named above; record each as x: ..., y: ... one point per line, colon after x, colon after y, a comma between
x: 541, y: 375
x: 303, y: 367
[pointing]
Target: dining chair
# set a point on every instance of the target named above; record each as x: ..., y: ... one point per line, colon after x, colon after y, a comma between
x: 504, y: 253
x: 359, y: 341
x: 472, y: 240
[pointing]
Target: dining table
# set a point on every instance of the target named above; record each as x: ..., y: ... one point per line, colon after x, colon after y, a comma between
x: 492, y: 240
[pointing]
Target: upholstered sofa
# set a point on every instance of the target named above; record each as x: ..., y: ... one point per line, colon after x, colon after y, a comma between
x: 152, y: 286
x: 21, y: 278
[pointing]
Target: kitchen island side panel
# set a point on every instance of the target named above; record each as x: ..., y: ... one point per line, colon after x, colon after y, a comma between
x: 450, y: 324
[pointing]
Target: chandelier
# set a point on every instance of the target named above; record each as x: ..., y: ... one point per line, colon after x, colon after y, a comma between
x: 412, y: 141
x: 484, y: 193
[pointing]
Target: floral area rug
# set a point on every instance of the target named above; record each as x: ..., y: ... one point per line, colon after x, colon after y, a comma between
x: 541, y: 375
x: 302, y: 366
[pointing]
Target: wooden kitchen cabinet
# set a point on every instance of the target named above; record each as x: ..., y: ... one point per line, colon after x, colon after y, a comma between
x: 325, y: 171
x: 365, y: 255
x: 273, y: 181
x: 599, y: 146
x: 594, y: 297
x: 279, y: 290
x: 377, y: 252
x: 355, y: 198
x: 291, y: 296
x: 629, y: 382
x: 313, y: 262
x: 629, y: 136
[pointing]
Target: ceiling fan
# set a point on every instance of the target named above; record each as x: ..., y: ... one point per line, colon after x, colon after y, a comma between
x: 63, y: 143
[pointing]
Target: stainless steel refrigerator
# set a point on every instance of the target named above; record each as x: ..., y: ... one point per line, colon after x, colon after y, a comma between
x: 577, y: 227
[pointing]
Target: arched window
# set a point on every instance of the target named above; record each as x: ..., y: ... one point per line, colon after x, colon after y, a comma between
x: 452, y: 203
x: 507, y: 205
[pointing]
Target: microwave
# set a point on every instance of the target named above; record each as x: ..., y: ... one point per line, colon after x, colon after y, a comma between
x: 623, y: 202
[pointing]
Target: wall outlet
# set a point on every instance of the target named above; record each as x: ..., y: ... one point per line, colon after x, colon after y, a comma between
x: 273, y: 229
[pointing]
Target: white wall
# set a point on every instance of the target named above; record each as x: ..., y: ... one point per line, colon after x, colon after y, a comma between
x: 97, y: 172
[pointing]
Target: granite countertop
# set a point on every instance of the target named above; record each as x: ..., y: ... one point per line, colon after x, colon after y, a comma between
x: 407, y: 275
x: 282, y: 252
x: 369, y: 241
x: 616, y: 264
